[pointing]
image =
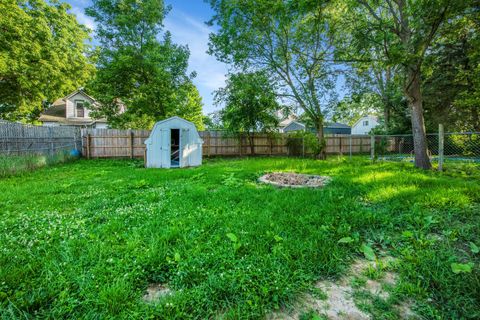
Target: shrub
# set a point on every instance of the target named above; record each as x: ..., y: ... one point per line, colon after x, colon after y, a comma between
x: 300, y: 142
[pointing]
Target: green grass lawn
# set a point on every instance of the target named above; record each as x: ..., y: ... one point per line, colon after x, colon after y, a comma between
x: 85, y: 239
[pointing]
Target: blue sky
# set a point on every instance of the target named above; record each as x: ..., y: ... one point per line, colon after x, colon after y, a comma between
x: 186, y: 22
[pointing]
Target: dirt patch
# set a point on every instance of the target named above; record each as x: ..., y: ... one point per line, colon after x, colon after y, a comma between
x: 294, y: 180
x: 155, y: 291
x: 339, y: 302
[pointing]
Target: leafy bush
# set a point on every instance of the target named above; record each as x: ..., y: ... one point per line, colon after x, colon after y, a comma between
x: 381, y: 146
x: 301, y: 142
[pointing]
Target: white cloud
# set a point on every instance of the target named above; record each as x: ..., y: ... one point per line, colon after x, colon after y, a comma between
x: 83, y: 18
x: 210, y: 72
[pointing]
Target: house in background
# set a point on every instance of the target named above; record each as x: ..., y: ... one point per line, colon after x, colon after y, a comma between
x: 291, y: 125
x: 285, y: 120
x: 336, y: 128
x: 365, y: 124
x: 73, y: 110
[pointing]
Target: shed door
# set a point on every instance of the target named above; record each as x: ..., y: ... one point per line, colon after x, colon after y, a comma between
x: 184, y: 144
x: 165, y: 148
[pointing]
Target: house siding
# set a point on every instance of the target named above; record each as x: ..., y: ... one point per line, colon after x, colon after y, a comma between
x: 70, y: 105
x: 360, y: 128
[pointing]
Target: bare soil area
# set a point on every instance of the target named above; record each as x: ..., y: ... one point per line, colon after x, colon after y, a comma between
x: 294, y: 180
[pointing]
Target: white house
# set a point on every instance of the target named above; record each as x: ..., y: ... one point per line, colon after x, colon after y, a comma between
x: 73, y: 110
x: 293, y: 126
x: 365, y: 124
x: 173, y: 143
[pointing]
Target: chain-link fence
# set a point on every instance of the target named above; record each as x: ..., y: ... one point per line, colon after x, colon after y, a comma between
x: 452, y: 146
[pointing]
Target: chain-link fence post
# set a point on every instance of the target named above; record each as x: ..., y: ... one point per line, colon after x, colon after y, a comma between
x: 441, y: 139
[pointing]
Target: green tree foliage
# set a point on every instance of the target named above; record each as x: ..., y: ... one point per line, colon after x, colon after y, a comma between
x: 148, y: 75
x: 352, y: 108
x: 375, y: 88
x: 189, y: 105
x: 213, y: 121
x: 250, y: 104
x: 396, y: 33
x: 452, y: 75
x: 43, y: 56
x: 285, y: 38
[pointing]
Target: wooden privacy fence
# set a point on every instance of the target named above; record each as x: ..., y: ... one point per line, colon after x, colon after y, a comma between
x: 21, y: 139
x: 113, y: 143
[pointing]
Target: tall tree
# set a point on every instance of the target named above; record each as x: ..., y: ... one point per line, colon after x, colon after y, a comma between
x: 405, y: 31
x: 285, y: 38
x: 137, y: 66
x: 250, y: 105
x: 43, y: 56
x: 189, y: 105
x: 452, y: 73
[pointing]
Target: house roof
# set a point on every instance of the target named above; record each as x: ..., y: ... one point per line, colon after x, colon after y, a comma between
x: 59, y: 102
x: 70, y: 121
x: 289, y: 119
x: 363, y: 118
x: 337, y: 125
x: 57, y: 112
x: 293, y: 123
x: 79, y: 91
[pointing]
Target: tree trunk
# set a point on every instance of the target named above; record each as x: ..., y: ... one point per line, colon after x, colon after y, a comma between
x: 251, y: 137
x: 321, y: 139
x: 414, y: 96
x: 386, y: 114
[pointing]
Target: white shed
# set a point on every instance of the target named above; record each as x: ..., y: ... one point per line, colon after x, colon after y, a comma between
x: 173, y: 143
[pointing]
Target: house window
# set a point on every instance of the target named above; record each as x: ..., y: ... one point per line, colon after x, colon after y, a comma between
x: 80, y: 110
x: 365, y: 123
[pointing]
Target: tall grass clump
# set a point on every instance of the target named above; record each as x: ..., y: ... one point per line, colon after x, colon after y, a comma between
x: 11, y: 165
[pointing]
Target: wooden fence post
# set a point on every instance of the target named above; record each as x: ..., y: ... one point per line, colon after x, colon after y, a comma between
x: 131, y: 144
x: 441, y: 142
x: 75, y: 139
x: 303, y: 145
x: 372, y: 147
x: 271, y: 145
x: 207, y: 139
x: 145, y: 157
x: 88, y: 146
x: 350, y: 147
x: 340, y: 142
x: 240, y: 145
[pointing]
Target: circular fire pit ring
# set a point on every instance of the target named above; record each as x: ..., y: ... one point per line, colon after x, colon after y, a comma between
x: 294, y: 180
